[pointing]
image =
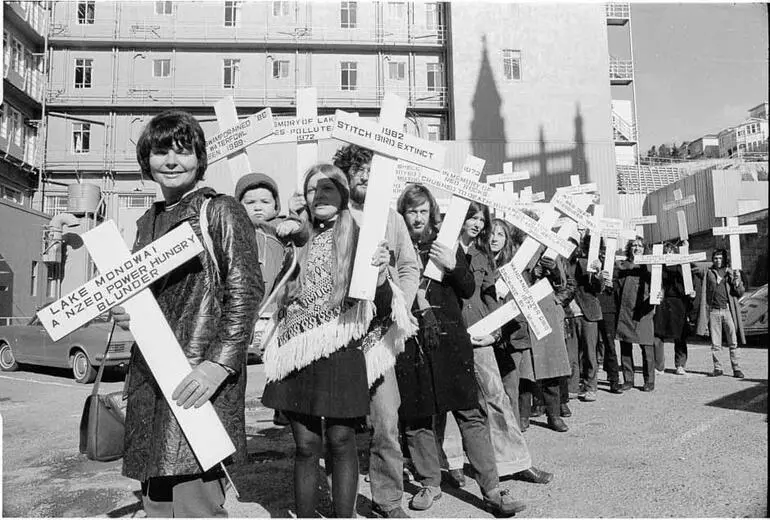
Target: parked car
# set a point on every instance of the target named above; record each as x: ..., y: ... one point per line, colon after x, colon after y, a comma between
x: 81, y: 350
x: 754, y: 311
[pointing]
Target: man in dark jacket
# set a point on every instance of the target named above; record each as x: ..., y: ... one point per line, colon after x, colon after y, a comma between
x: 435, y: 373
x: 211, y: 304
x: 720, y: 303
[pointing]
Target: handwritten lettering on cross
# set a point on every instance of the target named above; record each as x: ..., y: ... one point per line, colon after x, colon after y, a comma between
x: 235, y: 136
x: 454, y: 217
x: 641, y: 221
x: 389, y: 143
x: 734, y: 231
x: 123, y: 280
x: 657, y: 259
x: 681, y: 219
x: 507, y: 178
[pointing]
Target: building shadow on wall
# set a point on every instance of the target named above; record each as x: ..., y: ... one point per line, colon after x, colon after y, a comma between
x: 489, y: 139
x: 488, y: 125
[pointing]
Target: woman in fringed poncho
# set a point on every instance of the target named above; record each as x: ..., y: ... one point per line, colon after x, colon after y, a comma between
x: 314, y: 359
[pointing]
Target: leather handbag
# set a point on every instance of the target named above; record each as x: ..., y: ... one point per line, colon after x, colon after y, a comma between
x: 102, y: 425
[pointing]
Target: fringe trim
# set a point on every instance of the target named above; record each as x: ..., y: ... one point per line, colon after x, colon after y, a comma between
x: 317, y: 343
x: 381, y: 357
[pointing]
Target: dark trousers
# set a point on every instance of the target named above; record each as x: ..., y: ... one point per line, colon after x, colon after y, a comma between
x: 548, y: 392
x: 571, y: 341
x: 680, y: 353
x: 606, y: 347
x: 627, y: 360
x: 474, y: 431
x: 189, y: 496
x: 588, y: 336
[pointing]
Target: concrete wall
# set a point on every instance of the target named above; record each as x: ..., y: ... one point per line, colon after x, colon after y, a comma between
x: 556, y: 120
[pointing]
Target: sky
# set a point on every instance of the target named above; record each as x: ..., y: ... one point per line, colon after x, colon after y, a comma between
x: 698, y: 67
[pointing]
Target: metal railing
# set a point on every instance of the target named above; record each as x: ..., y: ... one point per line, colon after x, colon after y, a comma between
x: 206, y: 31
x: 31, y: 12
x: 621, y: 69
x: 329, y: 96
x: 8, y: 320
x: 622, y: 129
x: 645, y: 179
x: 620, y: 10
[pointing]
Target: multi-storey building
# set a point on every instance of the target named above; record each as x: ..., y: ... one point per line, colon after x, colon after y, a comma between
x: 703, y: 147
x: 748, y: 137
x: 24, y: 279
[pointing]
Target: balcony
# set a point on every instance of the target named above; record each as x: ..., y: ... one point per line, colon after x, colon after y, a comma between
x: 329, y: 96
x: 32, y: 14
x: 624, y: 132
x: 618, y: 13
x: 621, y: 71
x: 246, y: 35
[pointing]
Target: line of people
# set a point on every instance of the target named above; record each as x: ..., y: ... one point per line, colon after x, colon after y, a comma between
x: 404, y: 360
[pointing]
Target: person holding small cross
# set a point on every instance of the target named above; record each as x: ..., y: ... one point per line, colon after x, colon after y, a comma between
x: 721, y: 288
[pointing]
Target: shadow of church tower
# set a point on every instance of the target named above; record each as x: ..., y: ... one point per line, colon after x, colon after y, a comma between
x: 488, y: 126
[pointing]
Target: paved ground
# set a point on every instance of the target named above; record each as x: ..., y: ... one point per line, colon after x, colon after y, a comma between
x: 696, y: 447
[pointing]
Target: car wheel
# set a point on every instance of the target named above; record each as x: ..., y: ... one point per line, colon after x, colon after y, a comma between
x: 82, y: 369
x: 7, y: 360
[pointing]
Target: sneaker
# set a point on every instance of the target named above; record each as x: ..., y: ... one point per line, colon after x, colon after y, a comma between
x: 589, y: 396
x: 615, y: 388
x: 396, y: 512
x: 659, y: 372
x: 564, y: 410
x: 456, y: 478
x: 502, y: 503
x: 680, y: 371
x: 582, y: 393
x: 738, y: 374
x: 716, y: 373
x: 425, y: 498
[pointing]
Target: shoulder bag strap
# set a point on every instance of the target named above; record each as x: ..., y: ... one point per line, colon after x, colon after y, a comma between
x: 95, y: 389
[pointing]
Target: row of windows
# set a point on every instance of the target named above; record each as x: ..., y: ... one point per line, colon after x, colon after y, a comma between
x: 22, y: 61
x: 753, y: 128
x: 231, y: 70
x: 86, y: 12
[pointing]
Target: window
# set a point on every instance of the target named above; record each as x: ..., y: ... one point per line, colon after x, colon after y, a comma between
x: 281, y: 9
x: 3, y: 122
x: 434, y: 77
x: 136, y: 201
x: 161, y: 68
x: 86, y: 9
x: 83, y: 69
x: 280, y: 69
x: 434, y: 132
x: 232, y: 70
x: 18, y: 127
x: 12, y: 194
x: 233, y: 13
x: 33, y: 279
x: 55, y: 204
x: 52, y: 280
x: 396, y: 70
x: 18, y: 57
x: 348, y: 15
x: 431, y: 17
x: 81, y: 137
x: 349, y: 77
x: 163, y: 8
x: 6, y: 53
x: 512, y: 65
x: 397, y: 11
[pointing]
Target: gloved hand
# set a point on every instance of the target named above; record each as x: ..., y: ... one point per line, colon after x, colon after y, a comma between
x: 199, y: 385
x: 121, y: 317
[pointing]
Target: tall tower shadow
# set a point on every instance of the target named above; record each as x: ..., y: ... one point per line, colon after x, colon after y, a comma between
x: 488, y: 125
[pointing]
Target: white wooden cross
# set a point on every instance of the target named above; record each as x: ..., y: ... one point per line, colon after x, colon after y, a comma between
x: 123, y: 280
x: 734, y: 230
x: 657, y: 259
x: 507, y: 178
x: 681, y: 219
x: 231, y: 142
x: 389, y: 143
x: 454, y: 217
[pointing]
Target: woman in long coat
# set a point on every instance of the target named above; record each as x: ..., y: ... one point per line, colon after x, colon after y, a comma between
x: 635, y: 316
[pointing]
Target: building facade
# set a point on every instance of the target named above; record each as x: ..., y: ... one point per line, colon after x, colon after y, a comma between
x: 746, y: 138
x: 25, y: 279
x: 703, y: 147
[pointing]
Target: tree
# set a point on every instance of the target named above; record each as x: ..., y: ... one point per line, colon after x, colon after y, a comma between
x: 664, y: 151
x: 652, y: 152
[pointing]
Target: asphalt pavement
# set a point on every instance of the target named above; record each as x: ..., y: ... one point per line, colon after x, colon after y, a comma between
x: 695, y: 447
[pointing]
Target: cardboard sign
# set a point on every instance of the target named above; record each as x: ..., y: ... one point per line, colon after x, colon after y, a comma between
x: 381, y: 178
x: 526, y: 301
x: 538, y: 197
x: 121, y: 282
x: 679, y: 203
x: 501, y: 178
x: 734, y: 230
x: 645, y: 219
x: 567, y: 205
x: 406, y: 173
x: 202, y: 428
x: 239, y: 135
x: 455, y: 216
x: 390, y: 141
x: 595, y: 238
x: 508, y: 311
